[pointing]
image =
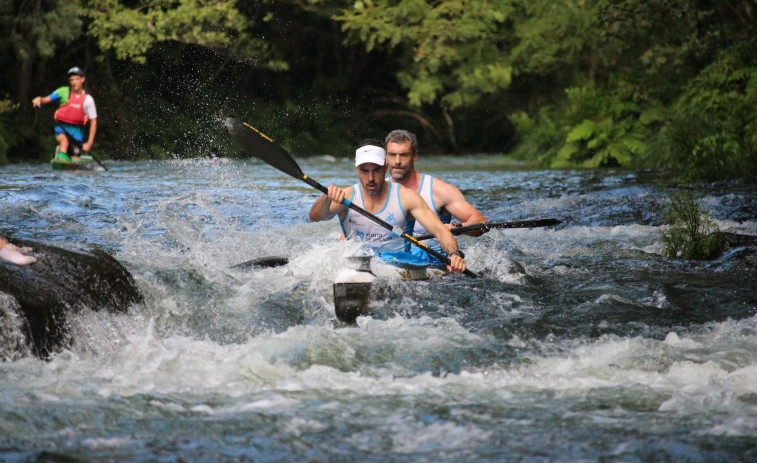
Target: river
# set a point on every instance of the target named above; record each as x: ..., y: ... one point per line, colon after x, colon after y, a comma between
x: 580, y: 343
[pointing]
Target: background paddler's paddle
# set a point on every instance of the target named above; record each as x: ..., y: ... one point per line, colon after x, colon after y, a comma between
x: 98, y: 161
x: 78, y: 145
x: 260, y: 145
x: 458, y: 230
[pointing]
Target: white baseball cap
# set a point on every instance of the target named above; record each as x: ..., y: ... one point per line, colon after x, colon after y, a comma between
x: 370, y: 153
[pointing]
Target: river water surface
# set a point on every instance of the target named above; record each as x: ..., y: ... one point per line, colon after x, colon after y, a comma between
x: 580, y: 343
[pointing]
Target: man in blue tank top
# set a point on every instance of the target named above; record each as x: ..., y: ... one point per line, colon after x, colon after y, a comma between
x: 392, y: 203
x: 444, y: 199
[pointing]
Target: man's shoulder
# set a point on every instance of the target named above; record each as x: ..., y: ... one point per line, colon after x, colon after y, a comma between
x: 408, y: 194
x: 444, y: 189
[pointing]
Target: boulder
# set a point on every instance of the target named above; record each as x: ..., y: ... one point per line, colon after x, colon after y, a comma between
x: 37, y: 300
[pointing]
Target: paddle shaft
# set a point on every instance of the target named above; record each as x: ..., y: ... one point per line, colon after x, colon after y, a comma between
x: 71, y: 139
x: 458, y: 230
x: 384, y: 224
x: 98, y: 161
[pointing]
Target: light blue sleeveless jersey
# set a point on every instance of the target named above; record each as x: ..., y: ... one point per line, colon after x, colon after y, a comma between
x: 376, y: 237
x: 425, y: 190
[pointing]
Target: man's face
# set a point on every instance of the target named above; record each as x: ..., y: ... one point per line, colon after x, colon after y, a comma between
x: 371, y: 178
x: 76, y: 82
x: 400, y: 159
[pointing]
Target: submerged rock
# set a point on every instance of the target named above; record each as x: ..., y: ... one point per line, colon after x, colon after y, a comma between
x: 738, y: 239
x: 36, y: 300
x: 739, y: 256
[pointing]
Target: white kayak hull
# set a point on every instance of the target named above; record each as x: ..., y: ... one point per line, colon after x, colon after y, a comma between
x: 352, y: 285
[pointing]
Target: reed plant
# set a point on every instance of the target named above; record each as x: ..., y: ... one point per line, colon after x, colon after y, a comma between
x: 692, y: 233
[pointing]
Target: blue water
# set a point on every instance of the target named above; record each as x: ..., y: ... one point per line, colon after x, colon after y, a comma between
x: 581, y: 343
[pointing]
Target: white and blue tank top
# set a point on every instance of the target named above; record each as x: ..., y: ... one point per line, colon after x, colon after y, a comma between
x: 426, y: 191
x: 376, y: 237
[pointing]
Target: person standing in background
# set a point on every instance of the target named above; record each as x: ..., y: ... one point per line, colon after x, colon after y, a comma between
x: 76, y: 108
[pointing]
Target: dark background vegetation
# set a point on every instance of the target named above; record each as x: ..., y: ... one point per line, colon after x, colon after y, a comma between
x: 554, y: 83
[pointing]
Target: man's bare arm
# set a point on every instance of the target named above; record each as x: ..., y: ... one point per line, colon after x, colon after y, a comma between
x: 327, y: 206
x: 92, y: 131
x: 450, y: 198
x: 40, y: 100
x: 417, y: 207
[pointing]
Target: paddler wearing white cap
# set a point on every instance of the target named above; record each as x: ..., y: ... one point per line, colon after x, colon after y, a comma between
x: 390, y: 202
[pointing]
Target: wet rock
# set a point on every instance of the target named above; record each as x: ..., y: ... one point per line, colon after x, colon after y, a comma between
x: 37, y: 300
x: 739, y: 254
x: 738, y: 239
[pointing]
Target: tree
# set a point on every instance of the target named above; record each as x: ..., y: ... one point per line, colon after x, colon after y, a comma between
x: 455, y: 49
x: 33, y: 31
x: 130, y: 31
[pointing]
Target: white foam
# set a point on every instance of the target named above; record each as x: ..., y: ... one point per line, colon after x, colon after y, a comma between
x: 672, y: 339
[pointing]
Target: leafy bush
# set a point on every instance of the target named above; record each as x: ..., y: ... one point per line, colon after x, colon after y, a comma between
x: 692, y: 233
x: 592, y: 128
x: 711, y: 132
x: 7, y: 139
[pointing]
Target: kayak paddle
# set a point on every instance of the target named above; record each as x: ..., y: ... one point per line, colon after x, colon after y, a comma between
x: 458, y: 230
x: 260, y: 145
x: 98, y: 161
x: 262, y: 262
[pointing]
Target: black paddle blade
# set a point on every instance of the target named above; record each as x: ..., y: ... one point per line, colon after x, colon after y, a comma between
x: 262, y: 262
x: 257, y: 144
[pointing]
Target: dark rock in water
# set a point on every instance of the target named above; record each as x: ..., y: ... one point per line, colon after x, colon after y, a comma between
x: 39, y: 297
x: 739, y: 256
x: 737, y: 239
x: 261, y: 262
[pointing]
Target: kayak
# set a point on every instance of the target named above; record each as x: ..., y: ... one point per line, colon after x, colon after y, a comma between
x: 352, y: 286
x: 85, y: 162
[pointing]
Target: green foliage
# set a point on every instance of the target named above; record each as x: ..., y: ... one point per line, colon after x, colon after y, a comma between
x: 130, y: 32
x: 41, y: 29
x: 608, y: 134
x: 307, y: 126
x: 567, y: 83
x: 7, y: 138
x: 712, y: 129
x: 692, y: 233
x: 454, y: 47
x: 552, y: 36
x: 540, y: 135
x: 593, y: 129
x: 658, y: 88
